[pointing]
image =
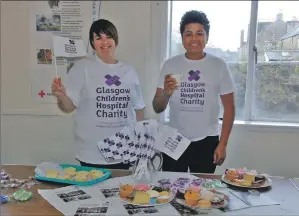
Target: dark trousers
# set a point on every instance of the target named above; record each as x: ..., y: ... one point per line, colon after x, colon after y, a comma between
x: 199, y: 157
x: 120, y: 166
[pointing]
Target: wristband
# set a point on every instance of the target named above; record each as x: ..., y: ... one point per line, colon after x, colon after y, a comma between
x: 163, y: 93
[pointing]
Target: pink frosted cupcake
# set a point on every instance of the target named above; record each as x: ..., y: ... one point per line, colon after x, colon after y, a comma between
x: 141, y: 187
x: 194, y: 188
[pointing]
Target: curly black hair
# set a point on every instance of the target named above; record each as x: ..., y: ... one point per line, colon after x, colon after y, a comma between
x: 195, y: 16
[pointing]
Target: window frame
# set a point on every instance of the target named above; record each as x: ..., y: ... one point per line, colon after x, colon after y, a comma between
x: 249, y: 118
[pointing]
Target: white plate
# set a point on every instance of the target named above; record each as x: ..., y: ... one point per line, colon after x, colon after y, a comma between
x: 225, y: 202
x: 171, y: 195
x: 267, y: 183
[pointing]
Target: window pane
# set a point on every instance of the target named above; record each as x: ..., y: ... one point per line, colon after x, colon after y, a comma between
x: 276, y: 95
x: 229, y: 22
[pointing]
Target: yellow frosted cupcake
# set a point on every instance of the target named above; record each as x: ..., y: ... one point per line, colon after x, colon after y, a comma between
x: 81, y: 178
x: 164, y: 193
x: 52, y: 174
x: 96, y: 174
x: 204, y: 204
x: 65, y: 177
x: 82, y: 173
x: 141, y: 197
x: 249, y: 177
x: 70, y: 170
x: 162, y: 199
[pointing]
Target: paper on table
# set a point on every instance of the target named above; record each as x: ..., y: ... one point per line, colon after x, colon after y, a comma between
x: 110, y: 192
x: 171, y: 142
x: 99, y: 209
x: 254, y: 200
x: 67, y: 199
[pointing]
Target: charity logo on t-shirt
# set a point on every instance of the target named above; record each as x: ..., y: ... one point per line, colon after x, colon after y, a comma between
x: 110, y: 80
x: 112, y: 100
x: 192, y: 92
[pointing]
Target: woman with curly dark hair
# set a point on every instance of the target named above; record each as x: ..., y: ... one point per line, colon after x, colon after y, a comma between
x: 204, y: 80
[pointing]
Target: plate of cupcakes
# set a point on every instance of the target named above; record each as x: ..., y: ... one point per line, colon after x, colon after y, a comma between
x: 202, y: 198
x: 246, y: 178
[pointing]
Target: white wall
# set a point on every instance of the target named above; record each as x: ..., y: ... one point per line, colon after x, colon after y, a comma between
x: 31, y: 139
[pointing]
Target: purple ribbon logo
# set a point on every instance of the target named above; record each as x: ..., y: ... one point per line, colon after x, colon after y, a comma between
x: 112, y: 80
x: 194, y: 75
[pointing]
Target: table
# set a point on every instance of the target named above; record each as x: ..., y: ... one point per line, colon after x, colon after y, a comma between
x: 295, y: 182
x: 283, y: 191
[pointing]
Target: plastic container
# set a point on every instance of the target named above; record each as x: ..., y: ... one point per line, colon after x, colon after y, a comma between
x: 106, y: 172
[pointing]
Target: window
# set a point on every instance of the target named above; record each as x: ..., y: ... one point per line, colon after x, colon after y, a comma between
x: 256, y: 39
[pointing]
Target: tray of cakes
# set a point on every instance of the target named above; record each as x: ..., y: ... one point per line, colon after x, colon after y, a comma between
x: 246, y: 178
x: 145, y: 195
x: 201, y: 198
x: 70, y: 174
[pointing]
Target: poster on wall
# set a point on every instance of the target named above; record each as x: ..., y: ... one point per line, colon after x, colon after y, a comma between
x: 68, y: 19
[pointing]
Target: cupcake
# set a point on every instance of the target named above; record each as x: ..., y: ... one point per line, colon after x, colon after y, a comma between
x: 142, y: 187
x: 249, y: 177
x: 194, y: 188
x: 65, y: 177
x: 196, y: 182
x: 204, y: 204
x: 162, y: 199
x: 81, y: 178
x: 153, y: 195
x: 183, y: 180
x: 179, y: 186
x: 52, y: 174
x: 126, y: 190
x: 141, y: 197
x: 231, y: 174
x: 191, y: 197
x: 70, y: 170
x: 165, y: 183
x: 207, y: 195
x: 241, y: 171
x: 246, y: 183
x: 164, y: 193
x: 96, y: 174
x: 82, y: 173
x: 238, y: 181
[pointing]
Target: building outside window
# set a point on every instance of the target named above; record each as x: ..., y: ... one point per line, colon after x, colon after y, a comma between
x: 259, y: 41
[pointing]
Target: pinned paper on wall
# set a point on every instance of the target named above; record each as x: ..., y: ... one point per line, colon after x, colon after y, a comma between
x: 59, y: 36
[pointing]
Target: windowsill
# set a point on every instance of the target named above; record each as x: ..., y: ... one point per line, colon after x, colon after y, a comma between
x: 272, y: 126
x: 267, y: 124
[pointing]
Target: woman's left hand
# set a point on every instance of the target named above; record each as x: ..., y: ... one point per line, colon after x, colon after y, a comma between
x: 220, y: 154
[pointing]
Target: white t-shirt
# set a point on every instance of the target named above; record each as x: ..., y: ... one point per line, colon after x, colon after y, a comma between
x: 194, y: 107
x: 106, y: 97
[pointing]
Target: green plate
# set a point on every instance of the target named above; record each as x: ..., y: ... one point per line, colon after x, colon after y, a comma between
x: 106, y: 172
